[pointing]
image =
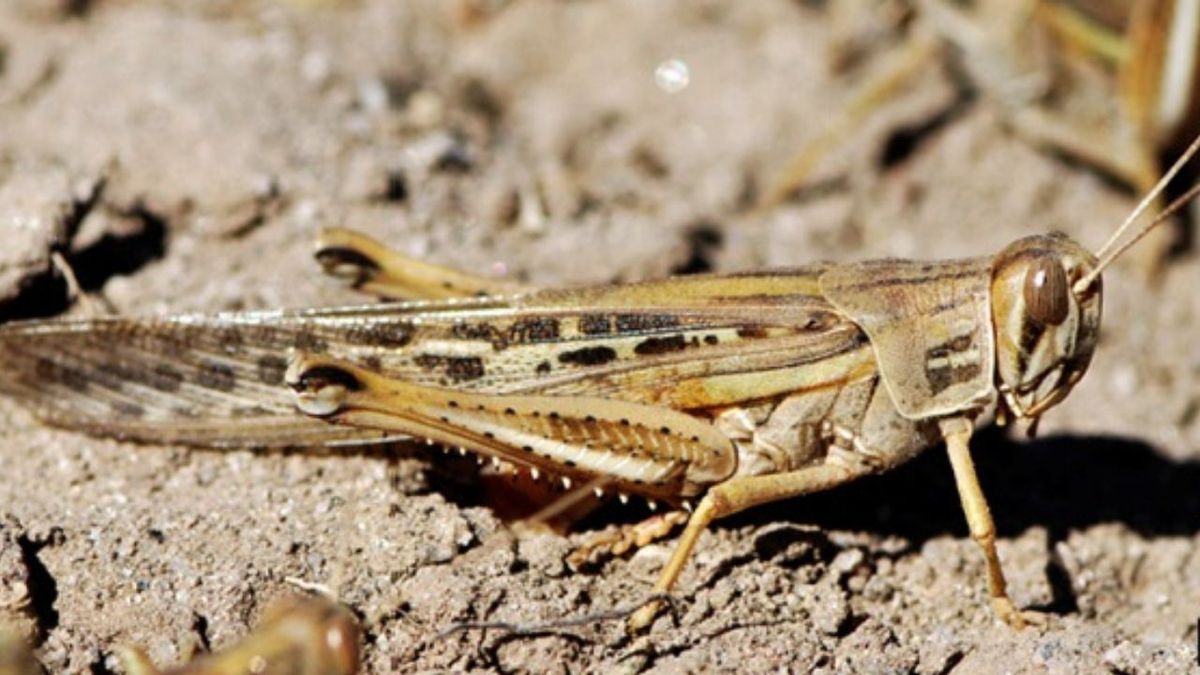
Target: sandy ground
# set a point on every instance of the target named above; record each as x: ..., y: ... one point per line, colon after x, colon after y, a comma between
x: 182, y: 154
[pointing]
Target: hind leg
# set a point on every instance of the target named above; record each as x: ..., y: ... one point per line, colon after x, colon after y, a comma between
x: 373, y: 268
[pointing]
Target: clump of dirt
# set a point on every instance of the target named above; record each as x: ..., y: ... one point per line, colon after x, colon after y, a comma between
x: 181, y: 155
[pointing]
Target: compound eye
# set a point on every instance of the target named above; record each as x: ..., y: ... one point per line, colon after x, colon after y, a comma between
x: 1047, y: 292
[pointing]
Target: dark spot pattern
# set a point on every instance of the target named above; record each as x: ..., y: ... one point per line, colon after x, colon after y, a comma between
x: 216, y: 376
x: 752, y: 332
x: 543, y: 368
x: 595, y: 324
x: 165, y: 378
x: 230, y: 339
x: 52, y: 371
x: 457, y: 368
x: 660, y: 345
x: 539, y: 329
x: 112, y: 375
x: 390, y: 335
x: 945, y: 367
x: 941, y: 379
x: 308, y: 342
x: 485, y: 332
x: 465, y: 368
x: 643, y: 323
x: 271, y: 369
x: 588, y: 356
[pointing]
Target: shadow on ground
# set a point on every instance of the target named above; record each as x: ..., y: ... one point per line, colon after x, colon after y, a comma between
x: 1062, y: 483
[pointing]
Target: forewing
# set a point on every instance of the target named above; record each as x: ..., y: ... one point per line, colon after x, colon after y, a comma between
x: 217, y: 380
x: 212, y: 380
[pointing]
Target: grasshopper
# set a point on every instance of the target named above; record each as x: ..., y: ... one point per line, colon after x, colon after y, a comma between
x: 298, y: 636
x: 709, y: 393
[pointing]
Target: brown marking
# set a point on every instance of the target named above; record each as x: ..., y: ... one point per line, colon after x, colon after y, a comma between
x: 308, y: 342
x: 543, y: 368
x: 660, y: 345
x: 883, y: 282
x: 116, y: 375
x: 485, y: 332
x: 711, y: 339
x: 595, y: 324
x: 428, y: 361
x: 944, y: 375
x: 271, y: 369
x: 112, y: 375
x: 538, y: 329
x: 217, y: 376
x: 455, y: 367
x: 942, y: 378
x: 642, y: 323
x: 52, y: 371
x: 389, y: 335
x: 957, y: 345
x: 961, y: 343
x: 230, y: 339
x: 127, y: 409
x: 588, y: 356
x: 752, y: 332
x: 165, y: 378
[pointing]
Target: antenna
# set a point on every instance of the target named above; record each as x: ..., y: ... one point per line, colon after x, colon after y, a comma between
x: 1110, y: 250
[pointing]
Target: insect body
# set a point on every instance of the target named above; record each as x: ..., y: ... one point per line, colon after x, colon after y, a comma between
x: 298, y: 636
x: 715, y: 393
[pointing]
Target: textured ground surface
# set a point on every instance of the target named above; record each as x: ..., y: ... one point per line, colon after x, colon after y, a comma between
x: 182, y: 154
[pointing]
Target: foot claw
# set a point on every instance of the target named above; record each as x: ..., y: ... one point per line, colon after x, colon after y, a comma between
x: 619, y: 540
x: 1015, y: 618
x: 641, y: 620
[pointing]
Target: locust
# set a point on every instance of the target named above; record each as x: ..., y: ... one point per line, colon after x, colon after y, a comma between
x: 710, y: 394
x: 297, y: 636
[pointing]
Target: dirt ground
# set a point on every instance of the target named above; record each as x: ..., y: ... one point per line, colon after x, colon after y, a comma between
x: 182, y: 154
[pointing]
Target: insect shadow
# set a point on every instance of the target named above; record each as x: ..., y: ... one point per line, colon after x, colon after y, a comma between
x: 1062, y: 483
